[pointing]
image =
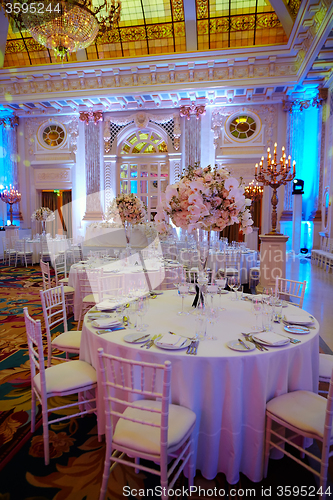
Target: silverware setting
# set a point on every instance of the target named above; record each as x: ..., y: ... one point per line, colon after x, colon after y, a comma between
x: 243, y: 344
x: 150, y: 342
x: 193, y: 347
x: 260, y: 347
x: 141, y: 338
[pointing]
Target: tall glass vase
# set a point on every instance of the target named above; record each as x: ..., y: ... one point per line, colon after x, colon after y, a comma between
x: 203, y: 239
x: 128, y: 234
x: 43, y: 227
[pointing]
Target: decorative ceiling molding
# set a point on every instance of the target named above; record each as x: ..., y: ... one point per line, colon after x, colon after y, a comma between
x: 298, y: 68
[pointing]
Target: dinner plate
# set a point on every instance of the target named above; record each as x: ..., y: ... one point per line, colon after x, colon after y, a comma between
x: 235, y: 345
x: 171, y: 347
x: 132, y: 338
x: 222, y: 292
x: 98, y: 316
x: 300, y: 330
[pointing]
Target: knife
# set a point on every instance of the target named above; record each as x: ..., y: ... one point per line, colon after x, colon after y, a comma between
x: 243, y: 344
x: 141, y: 338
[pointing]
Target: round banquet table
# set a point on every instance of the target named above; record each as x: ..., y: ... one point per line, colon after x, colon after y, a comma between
x: 156, y: 275
x: 227, y: 389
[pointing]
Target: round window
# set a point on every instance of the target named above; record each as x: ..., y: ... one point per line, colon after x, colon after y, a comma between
x: 243, y: 127
x: 52, y: 135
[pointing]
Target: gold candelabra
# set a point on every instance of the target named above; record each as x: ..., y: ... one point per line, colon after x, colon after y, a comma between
x: 275, y: 174
x: 12, y: 196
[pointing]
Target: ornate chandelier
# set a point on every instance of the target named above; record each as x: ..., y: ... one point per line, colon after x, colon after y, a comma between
x: 63, y: 26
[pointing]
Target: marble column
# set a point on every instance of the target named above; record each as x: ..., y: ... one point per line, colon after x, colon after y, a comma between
x: 93, y: 171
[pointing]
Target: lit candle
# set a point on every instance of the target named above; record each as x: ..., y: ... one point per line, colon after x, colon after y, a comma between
x: 289, y: 158
x: 256, y: 169
x: 294, y: 163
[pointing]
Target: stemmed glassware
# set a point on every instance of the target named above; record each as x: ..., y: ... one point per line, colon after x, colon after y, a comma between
x: 141, y: 309
x: 183, y: 289
x: 234, y: 284
x: 257, y: 310
x: 221, y: 282
x: 212, y: 291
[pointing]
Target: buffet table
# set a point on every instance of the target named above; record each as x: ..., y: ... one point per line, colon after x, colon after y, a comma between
x: 227, y: 389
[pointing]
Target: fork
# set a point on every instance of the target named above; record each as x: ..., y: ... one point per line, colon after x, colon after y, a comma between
x: 148, y: 346
x: 194, y: 348
x: 191, y: 347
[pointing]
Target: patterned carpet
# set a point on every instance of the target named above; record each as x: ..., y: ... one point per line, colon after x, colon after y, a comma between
x: 75, y: 470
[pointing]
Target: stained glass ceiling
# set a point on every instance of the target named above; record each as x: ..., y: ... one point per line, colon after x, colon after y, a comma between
x: 150, y: 27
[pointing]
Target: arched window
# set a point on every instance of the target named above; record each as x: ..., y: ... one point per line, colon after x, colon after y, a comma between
x: 143, y: 166
x: 144, y: 142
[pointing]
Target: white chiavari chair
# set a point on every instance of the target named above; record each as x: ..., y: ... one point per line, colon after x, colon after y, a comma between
x: 290, y: 290
x: 75, y: 377
x: 54, y: 311
x: 149, y: 428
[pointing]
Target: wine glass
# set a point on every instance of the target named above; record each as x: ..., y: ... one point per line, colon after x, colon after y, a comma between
x: 257, y: 309
x: 221, y: 282
x: 212, y: 291
x: 183, y: 289
x: 141, y: 309
x: 234, y: 284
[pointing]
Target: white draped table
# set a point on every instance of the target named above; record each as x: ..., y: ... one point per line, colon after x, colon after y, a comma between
x: 156, y: 274
x: 227, y: 390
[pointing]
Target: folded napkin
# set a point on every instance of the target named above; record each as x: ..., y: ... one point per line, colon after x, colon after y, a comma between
x: 269, y: 338
x: 298, y: 319
x: 106, y: 322
x: 170, y: 339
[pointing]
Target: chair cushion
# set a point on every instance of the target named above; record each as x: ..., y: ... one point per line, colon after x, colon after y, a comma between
x: 90, y: 298
x: 68, y: 339
x: 64, y: 280
x: 302, y: 409
x: 67, y: 376
x: 146, y: 439
x: 69, y: 289
x: 325, y: 366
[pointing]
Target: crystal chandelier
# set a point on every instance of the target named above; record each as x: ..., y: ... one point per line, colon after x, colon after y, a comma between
x: 63, y: 26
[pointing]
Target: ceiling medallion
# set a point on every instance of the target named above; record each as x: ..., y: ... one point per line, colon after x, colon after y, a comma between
x: 192, y: 110
x: 63, y: 26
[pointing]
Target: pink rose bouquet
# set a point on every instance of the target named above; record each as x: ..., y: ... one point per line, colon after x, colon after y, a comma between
x: 126, y: 208
x: 43, y: 214
x: 205, y: 198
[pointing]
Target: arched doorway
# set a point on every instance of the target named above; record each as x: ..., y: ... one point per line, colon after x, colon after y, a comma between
x: 142, y: 164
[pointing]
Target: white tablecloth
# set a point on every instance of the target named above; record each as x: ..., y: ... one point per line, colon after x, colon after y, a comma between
x: 227, y: 390
x: 155, y: 277
x: 54, y: 246
x: 113, y: 237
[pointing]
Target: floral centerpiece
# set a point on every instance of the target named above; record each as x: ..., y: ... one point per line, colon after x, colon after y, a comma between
x: 43, y: 215
x: 205, y: 198
x: 127, y: 209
